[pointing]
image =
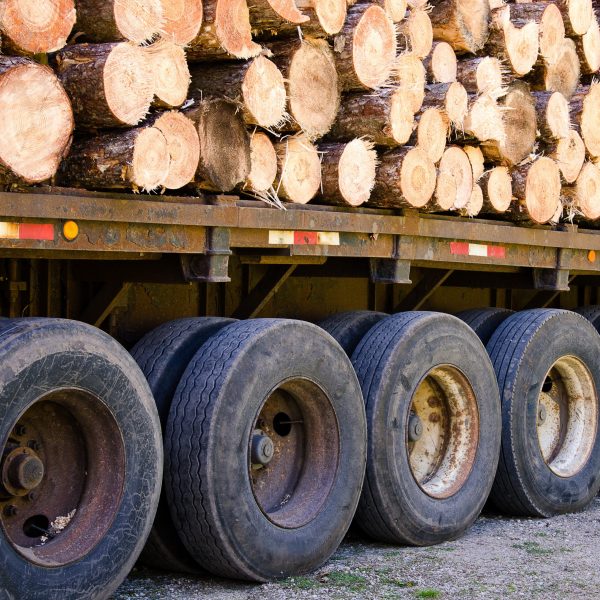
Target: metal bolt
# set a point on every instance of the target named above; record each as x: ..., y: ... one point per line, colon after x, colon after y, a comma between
x: 542, y: 413
x: 31, y: 496
x: 261, y: 449
x: 10, y: 510
x: 415, y: 428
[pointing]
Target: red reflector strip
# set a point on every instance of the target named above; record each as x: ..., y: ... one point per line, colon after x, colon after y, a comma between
x: 31, y: 231
x: 306, y: 238
x: 468, y: 249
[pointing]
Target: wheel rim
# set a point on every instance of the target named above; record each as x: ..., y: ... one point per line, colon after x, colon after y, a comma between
x: 442, y: 432
x: 567, y: 416
x: 294, y: 453
x: 62, y: 473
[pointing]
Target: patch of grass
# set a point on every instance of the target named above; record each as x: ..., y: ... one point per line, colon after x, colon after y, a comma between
x: 301, y: 583
x: 534, y: 549
x: 428, y: 593
x: 397, y: 582
x: 350, y: 581
x: 447, y: 548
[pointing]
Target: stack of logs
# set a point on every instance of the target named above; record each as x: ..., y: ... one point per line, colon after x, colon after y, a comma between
x: 465, y: 106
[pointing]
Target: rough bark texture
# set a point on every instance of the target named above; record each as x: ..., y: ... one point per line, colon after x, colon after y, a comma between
x: 461, y: 23
x: 481, y: 75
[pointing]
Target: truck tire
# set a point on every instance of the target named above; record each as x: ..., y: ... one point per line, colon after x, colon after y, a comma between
x: 81, y: 461
x: 591, y: 313
x: 348, y: 328
x: 433, y: 420
x: 548, y: 367
x: 163, y: 355
x: 265, y: 446
x: 484, y: 321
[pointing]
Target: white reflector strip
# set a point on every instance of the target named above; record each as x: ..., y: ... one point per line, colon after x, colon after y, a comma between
x: 9, y: 231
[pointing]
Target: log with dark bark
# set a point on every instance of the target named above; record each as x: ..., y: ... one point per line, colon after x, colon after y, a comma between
x: 588, y: 48
x: 577, y: 15
x: 263, y: 164
x: 35, y: 26
x: 182, y: 20
x: 440, y: 64
x: 135, y: 159
x: 117, y: 20
x: 553, y: 119
x: 347, y: 172
x: 496, y: 185
x: 582, y: 200
x: 37, y: 121
x: 110, y: 85
x: 454, y: 180
x: 415, y: 33
x: 461, y: 23
x: 171, y: 74
x: 299, y: 172
x: 481, y: 75
x: 385, y: 118
x: 365, y: 48
x: 561, y: 74
x: 257, y: 85
x: 224, y: 145
x: 405, y: 178
x: 569, y: 155
x: 585, y: 114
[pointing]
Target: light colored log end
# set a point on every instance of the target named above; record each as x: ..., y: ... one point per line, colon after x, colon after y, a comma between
x: 263, y: 163
x: 299, y: 169
x: 151, y: 162
x: 171, y: 73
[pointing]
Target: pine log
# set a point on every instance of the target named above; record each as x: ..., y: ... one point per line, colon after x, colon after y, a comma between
x: 583, y: 199
x: 553, y: 119
x: 485, y: 119
x: 405, y: 178
x: 182, y: 20
x: 35, y: 26
x: 569, y: 155
x: 330, y: 14
x: 477, y: 161
x: 110, y: 85
x: 286, y: 9
x: 299, y: 172
x: 263, y: 164
x: 416, y: 3
x: 520, y: 127
x: 440, y: 64
x: 224, y: 145
x: 481, y: 75
x: 385, y: 118
x: 536, y: 188
x: 365, y: 48
x: 454, y: 180
x: 515, y: 43
x: 409, y: 76
x: 475, y: 203
x: 183, y: 146
x: 117, y: 20
x: 225, y: 33
x: 585, y: 114
x: 135, y: 159
x: 308, y: 69
x: 577, y: 15
x: 415, y: 34
x: 37, y: 121
x: 432, y: 131
x: 588, y: 48
x: 452, y: 98
x: 347, y: 172
x: 171, y: 74
x: 257, y: 85
x: 461, y: 23
x: 394, y: 9
x: 560, y: 75
x: 496, y: 185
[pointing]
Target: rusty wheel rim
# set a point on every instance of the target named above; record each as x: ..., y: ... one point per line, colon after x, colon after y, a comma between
x: 567, y: 416
x: 62, y: 473
x: 293, y: 453
x: 442, y: 432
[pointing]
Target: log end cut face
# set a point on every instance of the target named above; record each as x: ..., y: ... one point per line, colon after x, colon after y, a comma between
x: 580, y: 15
x: 356, y: 171
x: 37, y: 122
x: 171, y: 73
x: 419, y: 32
x: 36, y: 26
x: 395, y: 9
x: 432, y: 132
x: 520, y: 124
x: 417, y: 178
x: 474, y: 17
x: 562, y: 75
x: 233, y: 29
x: 138, y: 20
x: 150, y: 165
x: 587, y: 191
x: 590, y: 43
x: 522, y: 45
x: 455, y: 179
x: 300, y: 169
x: 264, y: 93
x: 542, y: 190
x: 263, y: 163
x: 314, y: 94
x: 477, y: 161
x: 410, y: 76
x: 570, y: 156
x: 557, y: 116
x: 489, y: 76
x: 475, y: 203
x: 182, y: 20
x: 128, y: 83
x: 457, y: 104
x: 498, y: 189
x: 552, y: 32
x: 402, y: 119
x: 289, y: 11
x: 183, y: 146
x: 590, y: 121
x: 443, y: 63
x: 331, y: 14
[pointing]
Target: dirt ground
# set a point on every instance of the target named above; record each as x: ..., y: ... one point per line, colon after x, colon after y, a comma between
x: 499, y: 557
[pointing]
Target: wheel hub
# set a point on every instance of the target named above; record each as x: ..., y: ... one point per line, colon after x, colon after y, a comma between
x: 415, y: 428
x: 262, y: 448
x: 22, y: 471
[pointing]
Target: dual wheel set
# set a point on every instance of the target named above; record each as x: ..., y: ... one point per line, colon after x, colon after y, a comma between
x: 277, y: 434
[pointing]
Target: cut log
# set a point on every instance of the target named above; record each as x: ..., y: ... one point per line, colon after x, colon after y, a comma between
x: 394, y: 9
x: 569, y: 155
x: 440, y: 64
x: 135, y: 159
x: 224, y: 145
x: 225, y: 32
x: 583, y: 199
x: 482, y: 75
x: 116, y: 20
x: 286, y: 9
x: 37, y: 121
x: 110, y: 85
x: 257, y: 85
x: 454, y: 180
x: 496, y: 185
x: 299, y: 172
x: 365, y: 48
x: 415, y: 34
x: 553, y: 119
x: 536, y: 187
x: 171, y: 74
x: 520, y: 127
x: 347, y: 172
x: 452, y: 98
x: 561, y: 75
x: 577, y: 15
x: 308, y: 69
x: 331, y: 14
x: 35, y: 26
x: 409, y: 76
x: 475, y: 203
x: 182, y: 20
x: 585, y: 113
x: 516, y: 45
x: 263, y: 164
x: 405, y: 178
x: 461, y: 23
x: 485, y: 120
x: 477, y: 161
x: 432, y: 131
x: 183, y: 146
x: 588, y: 48
x: 385, y: 118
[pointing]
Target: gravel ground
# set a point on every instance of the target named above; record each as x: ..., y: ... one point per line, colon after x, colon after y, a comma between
x: 498, y: 558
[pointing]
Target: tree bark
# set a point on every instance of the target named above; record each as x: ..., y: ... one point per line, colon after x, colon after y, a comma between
x: 461, y: 23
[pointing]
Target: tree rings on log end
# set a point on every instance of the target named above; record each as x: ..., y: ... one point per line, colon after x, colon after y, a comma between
x: 171, y: 73
x: 496, y: 185
x: 417, y: 178
x: 395, y: 9
x: 588, y: 48
x: 233, y: 30
x: 288, y: 10
x: 542, y: 190
x: 587, y: 192
x: 432, y: 132
x: 409, y: 75
x: 356, y: 171
x: 417, y: 31
x: 569, y: 154
x: 150, y: 166
x: 442, y: 63
x: 182, y: 20
x: 562, y: 75
x: 137, y: 20
x: 475, y: 203
x: 331, y: 14
x: 579, y: 15
x: 590, y: 121
x: 299, y: 169
x: 263, y: 163
x: 477, y: 161
x: 552, y: 32
x: 455, y: 179
x: 264, y: 93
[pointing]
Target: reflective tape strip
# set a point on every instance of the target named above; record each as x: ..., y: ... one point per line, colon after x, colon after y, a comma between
x: 468, y: 249
x: 26, y: 231
x: 304, y: 238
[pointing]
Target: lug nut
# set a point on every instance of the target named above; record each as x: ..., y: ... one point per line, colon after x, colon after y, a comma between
x: 31, y: 496
x: 261, y: 449
x: 415, y: 428
x: 542, y: 414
